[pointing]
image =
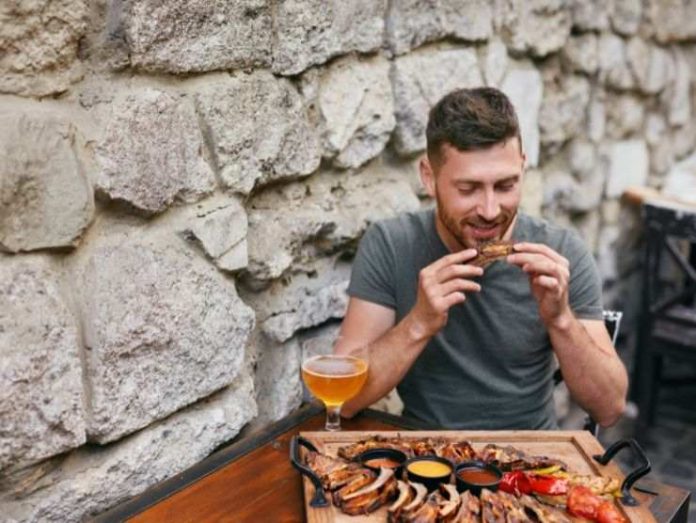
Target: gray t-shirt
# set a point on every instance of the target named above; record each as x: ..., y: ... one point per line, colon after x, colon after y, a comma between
x: 491, y: 366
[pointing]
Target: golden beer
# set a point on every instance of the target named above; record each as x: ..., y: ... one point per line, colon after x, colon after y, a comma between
x: 334, y: 379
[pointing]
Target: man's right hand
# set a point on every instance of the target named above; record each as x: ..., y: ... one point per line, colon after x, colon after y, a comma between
x: 442, y: 285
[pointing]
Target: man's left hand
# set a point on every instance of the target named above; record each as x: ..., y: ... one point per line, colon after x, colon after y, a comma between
x: 549, y: 274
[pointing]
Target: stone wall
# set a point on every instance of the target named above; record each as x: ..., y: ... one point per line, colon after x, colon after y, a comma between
x: 183, y: 184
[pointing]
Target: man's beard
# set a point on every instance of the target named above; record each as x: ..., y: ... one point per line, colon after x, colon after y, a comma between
x: 456, y: 228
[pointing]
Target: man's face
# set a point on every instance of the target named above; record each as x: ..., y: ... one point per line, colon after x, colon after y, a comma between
x: 477, y: 192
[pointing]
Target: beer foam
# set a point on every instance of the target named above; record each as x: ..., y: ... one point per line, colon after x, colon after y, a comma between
x: 335, y: 367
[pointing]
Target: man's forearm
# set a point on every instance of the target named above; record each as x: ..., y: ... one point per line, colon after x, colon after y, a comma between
x: 596, y: 377
x: 390, y: 358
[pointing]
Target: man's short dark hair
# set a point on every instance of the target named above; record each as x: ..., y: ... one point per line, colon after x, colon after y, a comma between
x: 471, y: 119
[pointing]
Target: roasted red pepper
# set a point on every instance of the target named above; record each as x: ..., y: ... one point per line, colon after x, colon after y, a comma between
x: 515, y: 482
x: 548, y: 485
x: 608, y: 512
x: 519, y: 482
x: 584, y: 503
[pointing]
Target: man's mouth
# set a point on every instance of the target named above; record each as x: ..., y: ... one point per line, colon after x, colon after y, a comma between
x: 485, y: 232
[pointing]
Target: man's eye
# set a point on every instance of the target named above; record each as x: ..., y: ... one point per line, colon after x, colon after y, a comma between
x: 466, y: 190
x: 505, y: 187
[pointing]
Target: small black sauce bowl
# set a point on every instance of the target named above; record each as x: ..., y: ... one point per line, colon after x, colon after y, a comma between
x: 430, y: 482
x: 475, y: 488
x: 388, y: 453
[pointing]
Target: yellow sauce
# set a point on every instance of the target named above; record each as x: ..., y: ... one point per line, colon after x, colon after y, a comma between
x: 429, y: 469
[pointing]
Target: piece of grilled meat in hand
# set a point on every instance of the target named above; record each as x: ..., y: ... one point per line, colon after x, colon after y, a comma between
x: 492, y: 251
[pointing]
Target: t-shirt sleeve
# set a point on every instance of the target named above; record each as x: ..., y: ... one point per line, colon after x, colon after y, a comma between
x: 585, y: 286
x: 372, y: 276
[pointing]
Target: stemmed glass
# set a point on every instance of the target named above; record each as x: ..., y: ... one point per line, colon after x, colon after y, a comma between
x: 334, y: 379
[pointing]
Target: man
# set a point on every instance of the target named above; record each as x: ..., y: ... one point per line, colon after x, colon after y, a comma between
x: 468, y: 347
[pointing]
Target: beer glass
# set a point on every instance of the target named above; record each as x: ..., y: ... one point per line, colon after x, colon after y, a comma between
x: 334, y: 379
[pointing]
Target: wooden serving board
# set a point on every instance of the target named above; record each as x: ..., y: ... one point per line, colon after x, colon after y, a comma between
x: 575, y: 448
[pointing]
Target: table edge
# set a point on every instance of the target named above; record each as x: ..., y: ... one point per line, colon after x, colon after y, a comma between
x: 218, y: 459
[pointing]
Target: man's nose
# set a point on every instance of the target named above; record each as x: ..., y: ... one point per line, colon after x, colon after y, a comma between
x: 489, y: 208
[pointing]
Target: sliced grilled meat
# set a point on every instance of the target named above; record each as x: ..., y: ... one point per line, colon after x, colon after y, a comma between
x: 469, y: 509
x: 492, y: 510
x: 541, y: 513
x: 509, y: 458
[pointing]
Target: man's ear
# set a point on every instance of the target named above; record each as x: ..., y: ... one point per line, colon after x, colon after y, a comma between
x: 427, y: 175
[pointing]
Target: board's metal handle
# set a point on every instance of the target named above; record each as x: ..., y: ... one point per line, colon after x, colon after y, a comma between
x: 319, y: 498
x: 640, y: 471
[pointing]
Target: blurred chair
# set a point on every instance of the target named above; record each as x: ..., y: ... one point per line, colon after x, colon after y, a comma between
x: 667, y: 326
x: 612, y: 321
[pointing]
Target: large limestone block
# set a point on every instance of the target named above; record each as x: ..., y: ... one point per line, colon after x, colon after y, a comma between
x: 628, y: 164
x: 596, y: 115
x: 581, y: 53
x: 41, y: 398
x: 94, y: 479
x: 39, y: 41
x: 411, y: 23
x: 625, y: 116
x: 46, y: 199
x: 260, y: 130
x: 524, y: 86
x: 495, y: 62
x: 677, y: 96
x: 152, y: 153
x: 357, y: 110
x: 278, y: 381
x: 626, y: 16
x: 660, y: 143
x: 290, y: 225
x: 614, y: 70
x: 590, y: 15
x: 163, y: 328
x: 311, y: 32
x: 309, y: 297
x: 419, y: 80
x: 562, y: 112
x: 181, y: 36
x: 328, y: 302
x: 672, y: 20
x: 651, y: 65
x: 219, y: 225
x: 537, y: 27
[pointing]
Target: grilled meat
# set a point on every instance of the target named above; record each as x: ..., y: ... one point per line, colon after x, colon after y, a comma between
x: 492, y: 509
x: 370, y: 496
x: 357, y: 482
x: 428, y: 511
x: 510, y: 458
x: 448, y: 508
x: 353, y: 450
x: 597, y: 484
x: 405, y: 495
x: 469, y: 509
x: 514, y: 511
x: 456, y: 452
x: 542, y: 513
x: 492, y: 251
x: 332, y: 472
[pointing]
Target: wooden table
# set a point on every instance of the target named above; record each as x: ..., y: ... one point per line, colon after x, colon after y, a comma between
x: 252, y: 480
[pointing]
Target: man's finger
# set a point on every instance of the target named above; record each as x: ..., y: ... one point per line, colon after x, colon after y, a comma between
x: 458, y: 270
x: 455, y: 257
x: 547, y: 282
x: 540, y: 248
x: 459, y: 285
x: 453, y: 299
x: 542, y: 266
